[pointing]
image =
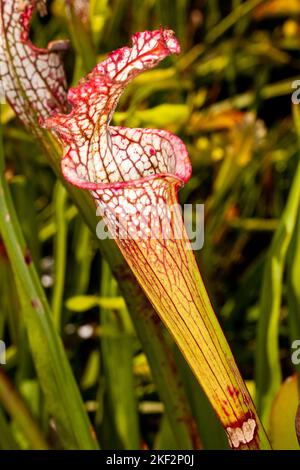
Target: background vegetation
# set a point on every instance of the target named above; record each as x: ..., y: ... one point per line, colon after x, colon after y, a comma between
x: 228, y: 96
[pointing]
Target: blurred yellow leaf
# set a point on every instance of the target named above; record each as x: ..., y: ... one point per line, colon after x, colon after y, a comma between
x: 7, y: 114
x: 141, y: 366
x: 81, y: 303
x: 290, y: 28
x: 282, y: 419
x: 251, y: 387
x: 165, y: 116
x: 154, y: 75
x: 277, y: 7
x: 215, y: 121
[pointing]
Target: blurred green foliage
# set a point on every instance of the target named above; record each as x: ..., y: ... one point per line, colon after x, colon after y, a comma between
x: 228, y: 96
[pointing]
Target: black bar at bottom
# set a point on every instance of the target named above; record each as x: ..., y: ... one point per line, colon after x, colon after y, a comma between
x: 147, y: 459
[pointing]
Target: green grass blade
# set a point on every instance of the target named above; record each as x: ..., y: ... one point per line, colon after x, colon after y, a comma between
x: 82, y: 40
x: 231, y: 19
x: 60, y: 255
x: 293, y: 286
x: 17, y: 409
x: 7, y: 440
x: 293, y: 274
x: 58, y: 383
x: 117, y: 355
x: 268, y: 370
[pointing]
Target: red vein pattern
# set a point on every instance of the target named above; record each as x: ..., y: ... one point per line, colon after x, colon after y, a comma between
x: 134, y: 176
x: 32, y: 78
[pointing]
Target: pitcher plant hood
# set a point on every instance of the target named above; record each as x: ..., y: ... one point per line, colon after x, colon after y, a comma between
x: 98, y: 155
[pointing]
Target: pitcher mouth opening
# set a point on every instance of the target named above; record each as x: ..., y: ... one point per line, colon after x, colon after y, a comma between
x: 168, y: 160
x: 85, y: 184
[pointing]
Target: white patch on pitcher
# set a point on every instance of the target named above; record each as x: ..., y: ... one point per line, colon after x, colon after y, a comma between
x: 242, y: 435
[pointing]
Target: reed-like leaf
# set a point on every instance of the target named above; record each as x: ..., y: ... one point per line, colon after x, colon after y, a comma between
x: 268, y: 368
x: 7, y: 440
x: 60, y: 390
x: 17, y: 409
x: 117, y: 353
x: 60, y: 253
x: 293, y: 263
